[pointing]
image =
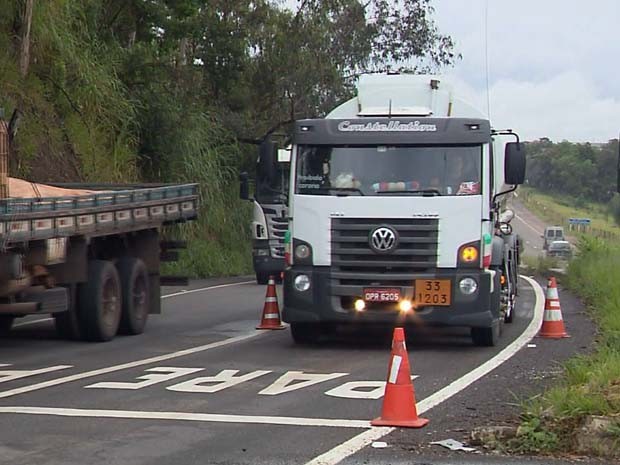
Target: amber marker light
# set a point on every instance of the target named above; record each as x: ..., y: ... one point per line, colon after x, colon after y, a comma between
x: 469, y: 254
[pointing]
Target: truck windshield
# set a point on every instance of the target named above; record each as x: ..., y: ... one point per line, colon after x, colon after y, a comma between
x: 273, y: 192
x: 388, y: 170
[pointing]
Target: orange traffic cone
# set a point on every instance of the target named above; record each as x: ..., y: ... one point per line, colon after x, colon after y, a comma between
x: 271, y: 311
x: 399, y: 407
x: 553, y: 325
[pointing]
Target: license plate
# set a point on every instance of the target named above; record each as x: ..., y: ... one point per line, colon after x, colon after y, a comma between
x: 381, y: 294
x: 432, y: 292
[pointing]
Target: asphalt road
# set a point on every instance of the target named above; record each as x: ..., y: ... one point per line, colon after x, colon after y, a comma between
x: 203, y: 386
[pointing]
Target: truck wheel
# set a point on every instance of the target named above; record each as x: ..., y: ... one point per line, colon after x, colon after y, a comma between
x: 67, y: 323
x: 6, y: 322
x: 136, y: 303
x: 262, y: 278
x: 305, y: 333
x: 486, y: 337
x: 99, y: 301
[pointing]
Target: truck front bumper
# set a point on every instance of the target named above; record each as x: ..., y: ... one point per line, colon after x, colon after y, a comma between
x: 263, y: 261
x: 319, y: 304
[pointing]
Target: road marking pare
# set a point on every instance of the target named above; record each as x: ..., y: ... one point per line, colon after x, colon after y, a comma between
x: 10, y: 375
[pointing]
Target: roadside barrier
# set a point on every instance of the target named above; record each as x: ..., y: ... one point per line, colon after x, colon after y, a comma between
x: 399, y: 405
x: 271, y: 311
x: 553, y: 324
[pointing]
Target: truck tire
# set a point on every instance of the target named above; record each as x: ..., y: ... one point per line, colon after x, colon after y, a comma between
x: 486, y: 336
x: 305, y: 333
x: 136, y: 295
x: 67, y: 323
x: 99, y: 302
x: 6, y: 323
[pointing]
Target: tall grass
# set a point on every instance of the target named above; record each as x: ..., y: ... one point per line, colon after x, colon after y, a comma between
x: 591, y: 383
x: 219, y: 242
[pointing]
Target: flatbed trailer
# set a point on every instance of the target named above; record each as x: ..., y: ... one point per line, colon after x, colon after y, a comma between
x: 93, y: 260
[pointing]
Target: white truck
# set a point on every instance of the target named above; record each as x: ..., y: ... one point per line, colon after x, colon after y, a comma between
x: 395, y: 201
x: 270, y: 213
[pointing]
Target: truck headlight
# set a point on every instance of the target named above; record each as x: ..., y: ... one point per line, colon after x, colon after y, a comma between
x: 302, y: 282
x: 468, y: 286
x: 302, y: 251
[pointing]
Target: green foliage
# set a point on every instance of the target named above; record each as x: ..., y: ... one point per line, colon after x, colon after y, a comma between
x: 168, y: 90
x: 590, y: 383
x: 614, y: 208
x: 581, y: 171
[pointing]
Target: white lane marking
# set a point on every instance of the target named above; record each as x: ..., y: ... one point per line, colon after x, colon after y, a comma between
x: 202, y: 289
x: 347, y: 448
x: 368, y: 390
x: 146, y: 361
x: 125, y: 366
x: 156, y: 375
x: 520, y: 218
x: 183, y: 292
x: 223, y: 380
x: 33, y: 322
x: 286, y: 382
x: 11, y: 375
x: 203, y: 417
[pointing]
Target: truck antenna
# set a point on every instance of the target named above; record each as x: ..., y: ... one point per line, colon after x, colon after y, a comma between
x: 486, y: 54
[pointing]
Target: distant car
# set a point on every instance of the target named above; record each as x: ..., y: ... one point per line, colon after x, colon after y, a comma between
x: 560, y: 249
x: 552, y: 234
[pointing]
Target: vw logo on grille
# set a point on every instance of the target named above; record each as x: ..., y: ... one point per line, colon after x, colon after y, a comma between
x: 383, y: 239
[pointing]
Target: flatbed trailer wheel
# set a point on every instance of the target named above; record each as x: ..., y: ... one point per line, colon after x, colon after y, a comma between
x: 135, y: 289
x: 100, y: 300
x: 67, y: 323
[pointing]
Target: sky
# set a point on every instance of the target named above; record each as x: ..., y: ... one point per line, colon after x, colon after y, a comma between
x: 554, y: 65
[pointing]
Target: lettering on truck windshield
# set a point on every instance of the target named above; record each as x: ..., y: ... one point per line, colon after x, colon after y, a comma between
x: 388, y: 170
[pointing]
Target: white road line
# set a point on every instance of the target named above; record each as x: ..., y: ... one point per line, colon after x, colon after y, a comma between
x: 26, y: 323
x: 137, y: 363
x: 204, y: 417
x: 125, y: 366
x: 347, y: 448
x: 528, y: 225
x: 192, y: 291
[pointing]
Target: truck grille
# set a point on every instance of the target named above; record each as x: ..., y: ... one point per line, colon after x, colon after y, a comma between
x: 354, y: 263
x: 277, y: 222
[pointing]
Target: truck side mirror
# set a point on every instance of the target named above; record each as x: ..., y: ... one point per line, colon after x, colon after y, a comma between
x: 267, y: 160
x: 514, y: 163
x: 244, y: 186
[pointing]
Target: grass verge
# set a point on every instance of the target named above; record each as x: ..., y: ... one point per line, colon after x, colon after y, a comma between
x: 590, y: 386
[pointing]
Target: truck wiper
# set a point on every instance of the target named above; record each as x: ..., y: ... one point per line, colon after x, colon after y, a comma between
x: 343, y: 189
x: 425, y: 192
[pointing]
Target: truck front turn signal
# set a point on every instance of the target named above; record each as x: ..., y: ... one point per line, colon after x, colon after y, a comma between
x: 469, y: 255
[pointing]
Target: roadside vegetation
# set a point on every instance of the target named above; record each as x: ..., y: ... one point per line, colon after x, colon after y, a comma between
x: 590, y: 386
x: 561, y: 419
x: 184, y: 90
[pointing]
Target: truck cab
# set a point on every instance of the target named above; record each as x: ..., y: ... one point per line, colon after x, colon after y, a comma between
x: 393, y: 205
x: 270, y: 213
